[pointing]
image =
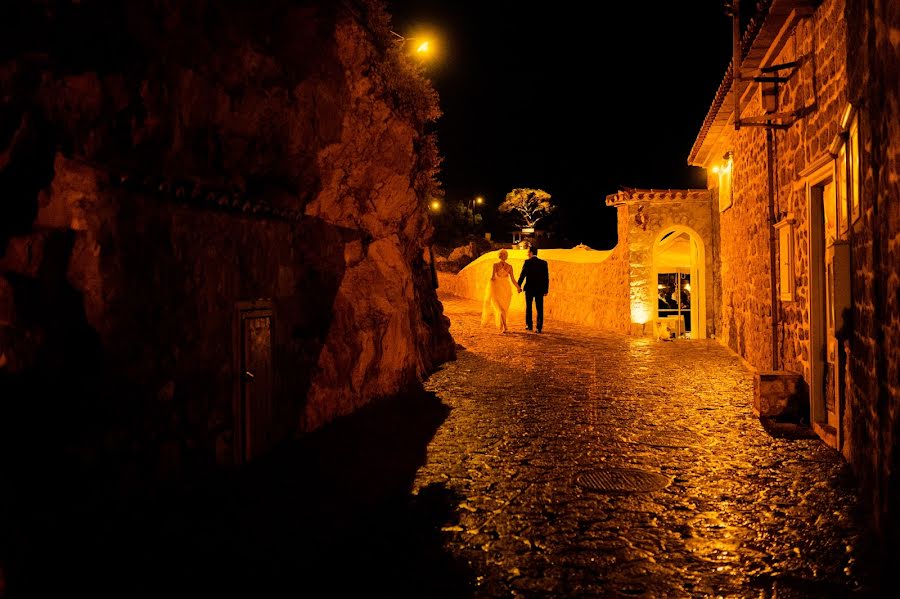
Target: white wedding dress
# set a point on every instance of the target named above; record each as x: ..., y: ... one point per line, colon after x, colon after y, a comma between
x: 498, y: 295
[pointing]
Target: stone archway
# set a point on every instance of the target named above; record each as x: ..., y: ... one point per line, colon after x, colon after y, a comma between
x: 679, y: 250
x: 645, y: 218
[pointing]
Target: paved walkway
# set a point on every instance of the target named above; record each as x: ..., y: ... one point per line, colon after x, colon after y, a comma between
x: 539, y: 422
x: 486, y: 486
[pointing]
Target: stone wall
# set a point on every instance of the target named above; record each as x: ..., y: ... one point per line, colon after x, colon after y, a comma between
x: 846, y: 55
x: 817, y: 92
x: 586, y: 286
x: 873, y: 388
x: 819, y: 88
x: 745, y: 324
x: 612, y: 290
x: 660, y: 212
x: 151, y: 186
x: 622, y: 267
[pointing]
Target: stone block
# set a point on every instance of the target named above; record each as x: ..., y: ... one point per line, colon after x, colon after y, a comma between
x: 778, y: 394
x: 769, y: 385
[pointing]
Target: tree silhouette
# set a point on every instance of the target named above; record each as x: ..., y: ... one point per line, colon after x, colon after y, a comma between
x: 529, y: 205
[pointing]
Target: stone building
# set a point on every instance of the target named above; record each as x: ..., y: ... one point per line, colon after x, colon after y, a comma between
x: 801, y: 148
x: 669, y: 236
x: 212, y: 231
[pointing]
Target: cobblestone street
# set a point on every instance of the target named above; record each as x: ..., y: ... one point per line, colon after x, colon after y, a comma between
x: 494, y: 482
x: 722, y: 507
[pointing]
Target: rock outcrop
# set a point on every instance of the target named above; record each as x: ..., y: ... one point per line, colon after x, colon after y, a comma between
x: 166, y: 165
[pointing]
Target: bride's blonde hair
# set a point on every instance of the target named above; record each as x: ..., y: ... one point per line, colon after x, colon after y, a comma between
x: 503, y: 254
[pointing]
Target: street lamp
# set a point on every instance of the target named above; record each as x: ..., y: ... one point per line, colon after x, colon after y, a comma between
x: 435, y: 205
x: 423, y: 45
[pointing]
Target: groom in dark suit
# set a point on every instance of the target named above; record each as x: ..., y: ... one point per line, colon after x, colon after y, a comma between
x: 537, y: 284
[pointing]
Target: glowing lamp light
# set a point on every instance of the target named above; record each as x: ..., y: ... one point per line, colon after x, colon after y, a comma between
x: 479, y: 200
x: 421, y: 44
x: 724, y: 167
x: 639, y: 313
x: 686, y: 287
x: 435, y: 205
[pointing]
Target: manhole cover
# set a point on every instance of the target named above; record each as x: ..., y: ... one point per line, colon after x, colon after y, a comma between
x: 672, y: 439
x: 622, y: 480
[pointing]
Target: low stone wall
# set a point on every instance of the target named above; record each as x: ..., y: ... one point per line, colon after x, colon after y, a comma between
x: 586, y: 286
x: 780, y: 394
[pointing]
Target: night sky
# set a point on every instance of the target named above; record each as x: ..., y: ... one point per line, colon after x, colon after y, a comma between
x: 568, y: 100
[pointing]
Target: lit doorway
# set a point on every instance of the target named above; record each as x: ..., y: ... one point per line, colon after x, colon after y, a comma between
x: 673, y: 298
x: 679, y: 279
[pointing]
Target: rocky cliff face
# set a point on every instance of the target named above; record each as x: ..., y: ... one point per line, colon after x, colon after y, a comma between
x: 162, y: 163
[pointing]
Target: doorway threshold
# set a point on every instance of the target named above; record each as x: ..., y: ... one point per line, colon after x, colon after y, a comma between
x: 827, y: 433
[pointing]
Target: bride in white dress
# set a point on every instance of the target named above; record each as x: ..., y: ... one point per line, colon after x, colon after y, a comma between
x: 498, y: 294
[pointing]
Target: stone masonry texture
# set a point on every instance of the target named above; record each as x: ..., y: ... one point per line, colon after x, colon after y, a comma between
x: 821, y: 84
x: 846, y: 57
x: 873, y: 388
x: 817, y: 90
x: 665, y: 212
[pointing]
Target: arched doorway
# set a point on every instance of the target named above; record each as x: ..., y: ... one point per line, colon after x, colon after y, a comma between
x: 679, y: 278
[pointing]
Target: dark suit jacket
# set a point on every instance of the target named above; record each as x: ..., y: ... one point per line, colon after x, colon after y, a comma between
x: 536, y: 276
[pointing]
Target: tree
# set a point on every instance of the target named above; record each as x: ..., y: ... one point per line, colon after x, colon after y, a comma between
x: 454, y: 222
x: 529, y: 205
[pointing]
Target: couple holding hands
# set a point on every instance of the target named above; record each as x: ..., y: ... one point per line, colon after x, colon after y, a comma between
x: 498, y: 294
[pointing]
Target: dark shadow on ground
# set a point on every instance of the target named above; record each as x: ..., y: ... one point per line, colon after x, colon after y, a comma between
x: 328, y: 515
x: 787, y: 430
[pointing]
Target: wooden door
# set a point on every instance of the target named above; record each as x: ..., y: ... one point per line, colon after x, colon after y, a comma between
x: 254, y: 410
